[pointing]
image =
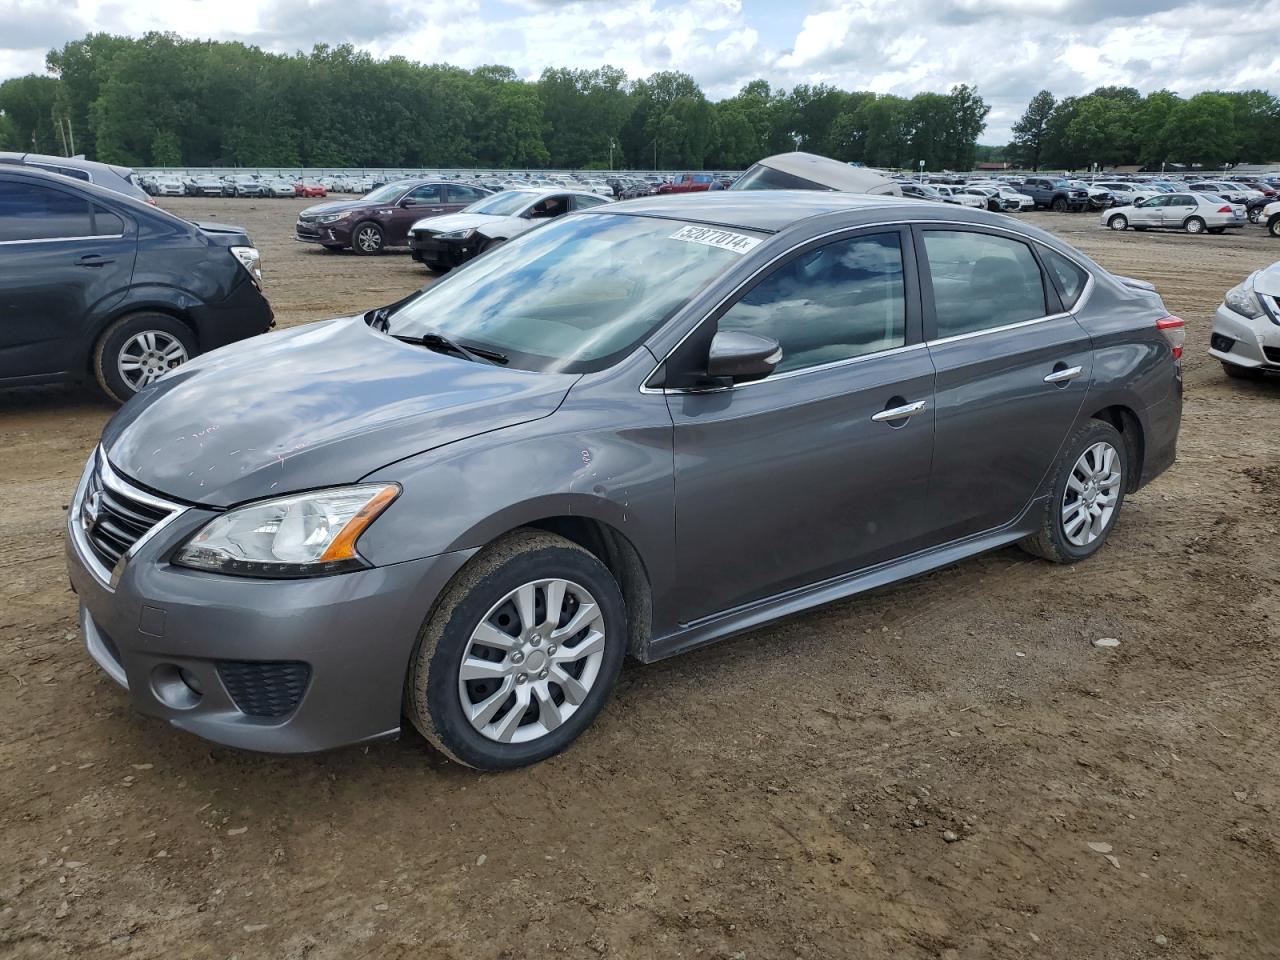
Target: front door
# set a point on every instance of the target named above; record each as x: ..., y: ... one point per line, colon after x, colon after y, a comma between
x: 822, y: 467
x: 62, y: 258
x: 1012, y: 371
x: 423, y: 201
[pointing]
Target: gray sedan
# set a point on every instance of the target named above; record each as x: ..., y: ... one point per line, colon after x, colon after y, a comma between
x: 1191, y: 212
x: 636, y: 430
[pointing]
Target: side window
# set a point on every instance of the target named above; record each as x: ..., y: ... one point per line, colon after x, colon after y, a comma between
x: 35, y: 212
x: 837, y: 301
x: 460, y: 194
x: 549, y: 207
x: 106, y: 223
x: 982, y: 281
x: 1069, y: 278
x: 1180, y: 200
x: 431, y: 193
x: 581, y: 201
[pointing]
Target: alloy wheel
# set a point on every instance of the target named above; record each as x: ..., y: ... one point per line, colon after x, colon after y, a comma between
x: 148, y: 356
x: 1093, y: 489
x: 369, y: 239
x: 532, y: 660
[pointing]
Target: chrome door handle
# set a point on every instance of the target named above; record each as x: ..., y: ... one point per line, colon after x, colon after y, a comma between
x: 1062, y: 376
x: 899, y: 413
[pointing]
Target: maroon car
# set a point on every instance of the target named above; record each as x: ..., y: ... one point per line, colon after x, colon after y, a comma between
x: 689, y: 183
x: 382, y: 217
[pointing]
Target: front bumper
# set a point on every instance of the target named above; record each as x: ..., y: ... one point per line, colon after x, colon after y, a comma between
x: 430, y: 249
x: 1236, y: 339
x: 334, y: 234
x: 188, y: 645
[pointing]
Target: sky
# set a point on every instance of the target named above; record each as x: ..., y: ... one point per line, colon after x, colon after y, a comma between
x: 1008, y: 49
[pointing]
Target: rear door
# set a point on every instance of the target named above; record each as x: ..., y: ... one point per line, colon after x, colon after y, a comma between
x: 459, y: 195
x: 822, y: 467
x: 63, y: 259
x: 1012, y: 366
x: 1178, y: 207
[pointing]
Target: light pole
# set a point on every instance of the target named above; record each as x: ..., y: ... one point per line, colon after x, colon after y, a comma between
x: 612, y: 144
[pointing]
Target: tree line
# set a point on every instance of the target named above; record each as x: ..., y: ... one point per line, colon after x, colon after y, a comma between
x: 1117, y: 125
x: 162, y: 100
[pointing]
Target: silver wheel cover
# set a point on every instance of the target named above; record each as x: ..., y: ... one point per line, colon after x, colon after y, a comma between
x: 1093, y: 490
x: 368, y: 239
x: 531, y: 661
x: 148, y: 356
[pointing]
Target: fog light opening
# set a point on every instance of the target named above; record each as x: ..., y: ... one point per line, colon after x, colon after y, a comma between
x: 176, y: 687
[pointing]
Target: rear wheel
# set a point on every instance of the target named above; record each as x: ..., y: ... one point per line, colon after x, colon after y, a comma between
x: 521, y: 653
x: 1193, y: 225
x: 367, y: 238
x: 1088, y: 491
x: 137, y: 350
x: 1118, y: 222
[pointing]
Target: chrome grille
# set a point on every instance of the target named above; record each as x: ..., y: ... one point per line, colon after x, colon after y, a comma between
x: 112, y: 516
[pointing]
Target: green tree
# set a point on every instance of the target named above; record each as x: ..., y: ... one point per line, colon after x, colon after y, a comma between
x: 29, y: 104
x: 1202, y: 130
x: 1031, y: 131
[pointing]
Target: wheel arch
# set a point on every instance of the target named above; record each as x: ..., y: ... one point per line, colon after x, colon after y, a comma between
x: 120, y: 311
x: 1126, y: 421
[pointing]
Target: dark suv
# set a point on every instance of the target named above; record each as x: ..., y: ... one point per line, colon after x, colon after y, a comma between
x: 382, y: 217
x: 92, y: 281
x: 1056, y: 194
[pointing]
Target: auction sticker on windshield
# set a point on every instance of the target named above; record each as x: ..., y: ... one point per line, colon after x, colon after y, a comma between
x: 724, y: 239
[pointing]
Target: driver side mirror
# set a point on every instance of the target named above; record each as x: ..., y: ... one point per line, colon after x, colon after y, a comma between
x: 742, y: 357
x: 410, y: 202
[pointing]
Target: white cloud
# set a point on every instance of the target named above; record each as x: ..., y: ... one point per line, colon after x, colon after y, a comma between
x: 1009, y: 49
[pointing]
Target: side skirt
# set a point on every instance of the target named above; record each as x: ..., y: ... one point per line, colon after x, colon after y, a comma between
x: 730, y: 623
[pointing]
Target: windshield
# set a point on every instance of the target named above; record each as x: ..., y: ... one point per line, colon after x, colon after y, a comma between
x: 385, y: 193
x: 502, y: 204
x: 576, y: 294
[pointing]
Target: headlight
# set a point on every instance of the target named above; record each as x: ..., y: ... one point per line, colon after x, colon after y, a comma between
x: 305, y: 535
x: 251, y: 260
x: 1244, y: 301
x: 457, y: 234
x: 333, y: 217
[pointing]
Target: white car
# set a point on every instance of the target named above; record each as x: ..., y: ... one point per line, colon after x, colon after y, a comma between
x: 959, y: 196
x: 441, y: 243
x: 169, y: 186
x: 1246, y: 328
x: 598, y: 187
x: 1235, y: 192
x: 1192, y: 212
x: 1024, y: 202
x: 1271, y: 217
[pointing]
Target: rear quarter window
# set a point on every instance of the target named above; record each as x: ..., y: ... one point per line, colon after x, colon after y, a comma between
x: 1067, y: 277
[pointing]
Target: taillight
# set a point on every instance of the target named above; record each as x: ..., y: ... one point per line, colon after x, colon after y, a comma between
x: 1174, y: 330
x: 1224, y: 210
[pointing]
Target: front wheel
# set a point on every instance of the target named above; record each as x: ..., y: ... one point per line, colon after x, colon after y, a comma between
x: 1273, y: 225
x: 1255, y: 215
x: 1059, y: 205
x: 1118, y: 222
x: 1194, y: 225
x: 137, y: 350
x: 1088, y: 491
x: 521, y: 653
x: 367, y: 238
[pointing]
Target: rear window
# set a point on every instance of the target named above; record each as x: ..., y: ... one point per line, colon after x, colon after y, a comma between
x: 761, y: 177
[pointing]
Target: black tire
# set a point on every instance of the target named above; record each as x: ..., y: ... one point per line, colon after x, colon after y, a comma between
x: 106, y: 353
x: 432, y: 696
x: 1059, y: 205
x: 1193, y: 225
x: 1273, y: 225
x: 1241, y: 373
x: 368, y: 239
x: 1255, y: 214
x: 1050, y: 541
x: 1118, y: 222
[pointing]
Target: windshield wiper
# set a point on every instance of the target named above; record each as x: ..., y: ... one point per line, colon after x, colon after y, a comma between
x: 440, y: 343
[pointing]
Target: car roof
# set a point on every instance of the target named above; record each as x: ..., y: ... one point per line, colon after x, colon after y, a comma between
x: 768, y: 211
x: 97, y: 191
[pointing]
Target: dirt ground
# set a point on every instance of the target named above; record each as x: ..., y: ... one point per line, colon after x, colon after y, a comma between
x: 782, y: 795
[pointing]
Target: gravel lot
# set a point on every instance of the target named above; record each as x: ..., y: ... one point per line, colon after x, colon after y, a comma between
x: 785, y: 794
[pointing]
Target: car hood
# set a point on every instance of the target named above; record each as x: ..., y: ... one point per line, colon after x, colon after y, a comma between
x: 315, y: 406
x: 1267, y: 281
x: 335, y: 206
x: 458, y: 221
